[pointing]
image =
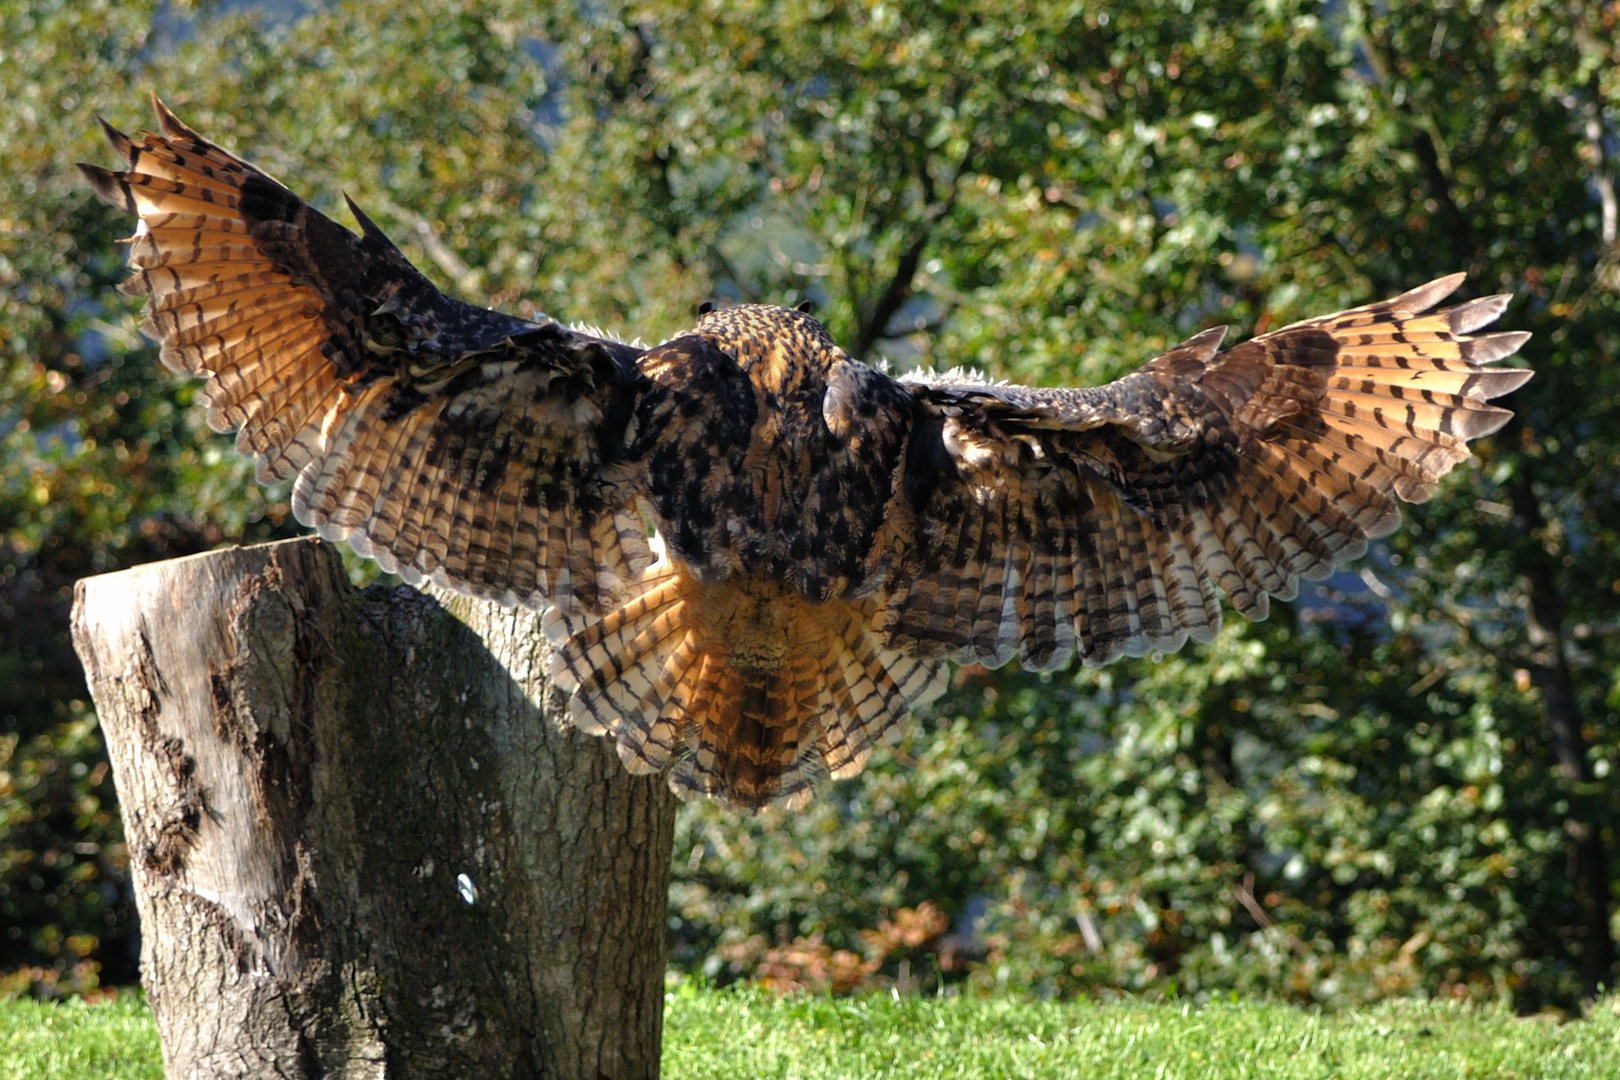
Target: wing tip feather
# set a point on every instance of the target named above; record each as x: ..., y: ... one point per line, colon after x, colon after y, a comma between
x: 1477, y: 313
x: 121, y: 143
x: 1430, y: 293
x: 171, y: 125
x: 109, y: 187
x: 1479, y: 422
x: 1488, y: 347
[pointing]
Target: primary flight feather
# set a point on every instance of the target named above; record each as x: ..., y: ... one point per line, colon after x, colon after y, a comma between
x: 755, y: 552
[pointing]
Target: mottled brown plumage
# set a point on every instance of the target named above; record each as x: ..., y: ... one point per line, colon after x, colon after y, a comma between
x: 754, y: 552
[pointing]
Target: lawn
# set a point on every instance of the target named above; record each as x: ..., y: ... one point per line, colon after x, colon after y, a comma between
x: 74, y: 1041
x: 732, y: 1034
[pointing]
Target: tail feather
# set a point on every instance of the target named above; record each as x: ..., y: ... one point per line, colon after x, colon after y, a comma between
x: 650, y: 735
x: 686, y: 683
x: 716, y: 684
x: 751, y: 740
x: 612, y: 664
x: 869, y: 690
x: 844, y: 743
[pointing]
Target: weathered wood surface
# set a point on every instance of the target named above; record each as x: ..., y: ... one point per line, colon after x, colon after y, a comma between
x: 313, y: 783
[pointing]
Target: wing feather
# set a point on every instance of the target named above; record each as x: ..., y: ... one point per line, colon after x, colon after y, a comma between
x: 447, y: 441
x: 522, y: 461
x: 1248, y: 470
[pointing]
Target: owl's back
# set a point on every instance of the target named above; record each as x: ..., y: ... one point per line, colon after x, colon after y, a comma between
x: 766, y: 474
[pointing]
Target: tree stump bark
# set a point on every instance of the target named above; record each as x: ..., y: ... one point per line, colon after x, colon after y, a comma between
x: 362, y: 845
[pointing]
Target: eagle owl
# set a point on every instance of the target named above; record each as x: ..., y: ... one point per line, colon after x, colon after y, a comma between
x: 755, y: 553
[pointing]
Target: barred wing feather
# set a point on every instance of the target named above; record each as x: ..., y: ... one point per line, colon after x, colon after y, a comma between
x: 753, y: 551
x: 449, y: 442
x: 1096, y: 521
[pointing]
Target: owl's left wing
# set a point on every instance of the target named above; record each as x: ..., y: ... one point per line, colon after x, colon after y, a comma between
x: 449, y: 442
x: 1097, y: 521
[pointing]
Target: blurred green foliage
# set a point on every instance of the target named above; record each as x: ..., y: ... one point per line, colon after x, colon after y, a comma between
x: 1402, y: 784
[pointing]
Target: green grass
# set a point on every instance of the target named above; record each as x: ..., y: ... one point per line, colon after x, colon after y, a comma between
x: 747, y: 1034
x: 730, y: 1035
x: 74, y: 1041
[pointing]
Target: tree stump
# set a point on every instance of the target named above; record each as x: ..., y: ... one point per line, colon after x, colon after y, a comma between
x: 362, y: 845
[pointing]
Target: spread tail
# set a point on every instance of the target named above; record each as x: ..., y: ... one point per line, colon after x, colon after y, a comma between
x: 747, y: 698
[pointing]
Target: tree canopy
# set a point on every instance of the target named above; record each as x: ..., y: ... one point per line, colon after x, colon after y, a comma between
x: 1402, y: 783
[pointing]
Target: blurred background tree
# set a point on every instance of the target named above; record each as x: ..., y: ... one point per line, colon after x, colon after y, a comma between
x: 1400, y: 784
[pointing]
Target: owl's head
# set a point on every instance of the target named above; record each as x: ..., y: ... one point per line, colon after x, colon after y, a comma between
x: 752, y: 332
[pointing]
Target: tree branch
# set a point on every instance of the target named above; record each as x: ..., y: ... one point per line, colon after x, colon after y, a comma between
x: 1426, y: 147
x: 874, y: 327
x: 1550, y: 674
x: 1454, y: 221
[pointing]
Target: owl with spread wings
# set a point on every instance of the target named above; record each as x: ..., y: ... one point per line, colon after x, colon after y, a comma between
x: 754, y: 553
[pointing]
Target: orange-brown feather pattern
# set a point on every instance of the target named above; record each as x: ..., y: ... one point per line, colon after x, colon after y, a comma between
x: 1249, y: 469
x: 753, y: 551
x: 259, y: 305
x: 747, y: 690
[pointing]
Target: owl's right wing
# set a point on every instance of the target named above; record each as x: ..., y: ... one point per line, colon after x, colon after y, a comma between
x: 449, y: 442
x: 1048, y: 523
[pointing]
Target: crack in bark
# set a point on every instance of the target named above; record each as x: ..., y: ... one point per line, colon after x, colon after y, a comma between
x: 165, y: 837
